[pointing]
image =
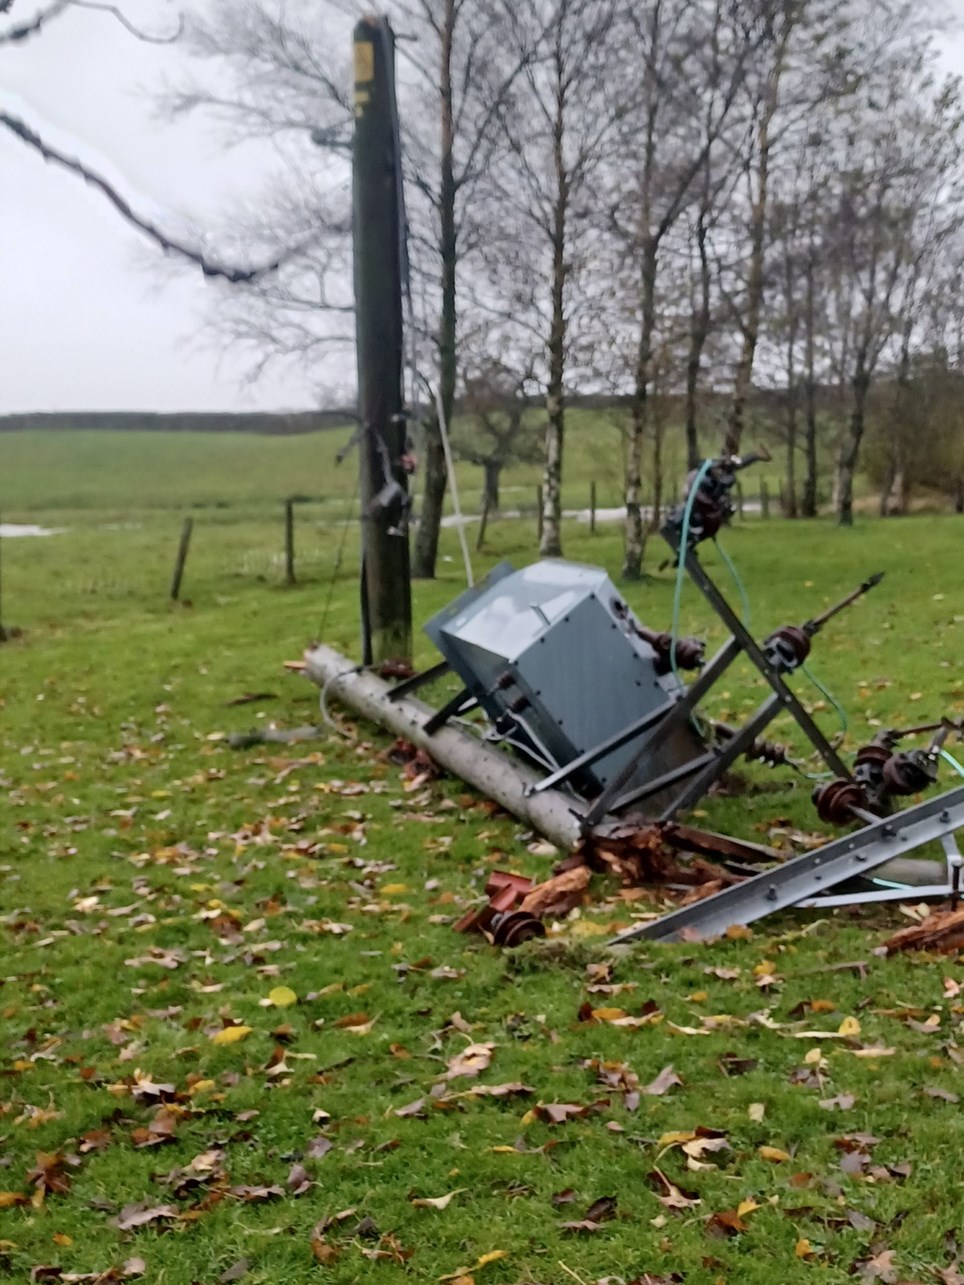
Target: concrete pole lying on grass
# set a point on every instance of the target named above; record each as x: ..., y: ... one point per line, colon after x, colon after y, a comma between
x: 490, y: 770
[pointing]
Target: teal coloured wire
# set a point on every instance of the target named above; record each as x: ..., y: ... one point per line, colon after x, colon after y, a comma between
x: 680, y: 562
x: 828, y: 695
x: 949, y: 758
x: 741, y: 588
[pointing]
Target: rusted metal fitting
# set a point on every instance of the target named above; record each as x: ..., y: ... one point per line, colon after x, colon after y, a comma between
x: 909, y: 772
x: 688, y: 652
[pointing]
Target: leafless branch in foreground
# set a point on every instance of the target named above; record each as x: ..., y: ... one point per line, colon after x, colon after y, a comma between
x: 35, y: 25
x: 126, y: 23
x: 237, y: 276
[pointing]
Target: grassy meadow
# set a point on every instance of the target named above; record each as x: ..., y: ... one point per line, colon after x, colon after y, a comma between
x: 240, y: 1040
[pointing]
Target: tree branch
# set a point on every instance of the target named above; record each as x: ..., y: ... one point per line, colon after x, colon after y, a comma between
x: 59, y: 7
x: 126, y: 23
x: 35, y: 26
x: 237, y: 276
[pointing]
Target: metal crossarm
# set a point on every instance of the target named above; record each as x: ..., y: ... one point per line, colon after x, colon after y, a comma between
x: 807, y: 876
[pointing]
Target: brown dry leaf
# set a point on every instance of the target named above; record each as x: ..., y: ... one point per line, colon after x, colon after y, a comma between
x: 473, y: 1060
x: 879, y: 1268
x: 555, y: 1112
x: 48, y: 1174
x: 356, y: 1023
x: 666, y: 1080
x: 8, y: 1199
x: 726, y: 1222
x: 319, y: 1147
x: 255, y: 1193
x: 141, y: 1213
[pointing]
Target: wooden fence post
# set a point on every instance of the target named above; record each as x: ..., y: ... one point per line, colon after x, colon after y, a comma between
x: 483, y: 521
x: 592, y: 508
x: 764, y: 498
x: 539, y: 512
x: 182, y: 548
x: 289, y: 541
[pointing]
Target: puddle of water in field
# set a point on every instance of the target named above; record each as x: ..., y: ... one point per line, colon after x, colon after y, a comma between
x: 13, y: 530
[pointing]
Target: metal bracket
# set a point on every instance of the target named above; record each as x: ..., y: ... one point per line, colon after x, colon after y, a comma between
x: 803, y: 879
x: 417, y: 681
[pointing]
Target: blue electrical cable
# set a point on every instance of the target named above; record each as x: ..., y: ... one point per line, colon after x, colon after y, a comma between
x: 828, y: 694
x: 949, y: 758
x: 741, y: 588
x: 680, y: 562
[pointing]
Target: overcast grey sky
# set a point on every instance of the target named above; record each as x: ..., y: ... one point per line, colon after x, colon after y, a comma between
x: 82, y: 326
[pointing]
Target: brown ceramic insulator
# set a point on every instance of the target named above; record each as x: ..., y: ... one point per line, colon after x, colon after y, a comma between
x: 836, y: 800
x: 793, y: 640
x: 515, y: 927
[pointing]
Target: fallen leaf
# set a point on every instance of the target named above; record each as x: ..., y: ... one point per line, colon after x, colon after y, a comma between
x: 666, y: 1080
x: 282, y: 996
x: 231, y: 1034
x: 141, y: 1213
x: 773, y: 1154
x: 437, y: 1202
x: 473, y: 1060
x: 756, y: 1111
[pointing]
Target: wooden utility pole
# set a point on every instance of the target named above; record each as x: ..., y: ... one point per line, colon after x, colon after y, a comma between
x: 379, y: 247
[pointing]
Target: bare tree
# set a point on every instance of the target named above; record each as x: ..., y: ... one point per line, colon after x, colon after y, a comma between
x: 682, y: 53
x: 495, y: 432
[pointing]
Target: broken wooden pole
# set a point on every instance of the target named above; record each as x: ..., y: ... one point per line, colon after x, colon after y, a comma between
x: 505, y: 780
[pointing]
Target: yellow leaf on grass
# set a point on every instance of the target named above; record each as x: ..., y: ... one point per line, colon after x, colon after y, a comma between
x: 756, y: 1111
x: 746, y: 1207
x: 10, y: 1198
x: 803, y: 1248
x: 231, y: 1035
x: 492, y: 1256
x: 774, y: 1154
x: 849, y: 1026
x: 282, y: 996
x: 394, y: 889
x: 673, y: 1139
x: 61, y: 1238
x: 608, y: 1014
x: 200, y: 1086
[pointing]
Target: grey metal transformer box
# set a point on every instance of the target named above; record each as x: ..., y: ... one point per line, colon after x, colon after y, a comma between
x: 551, y: 655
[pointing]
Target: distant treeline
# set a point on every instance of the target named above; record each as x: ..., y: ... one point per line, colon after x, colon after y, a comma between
x: 270, y: 423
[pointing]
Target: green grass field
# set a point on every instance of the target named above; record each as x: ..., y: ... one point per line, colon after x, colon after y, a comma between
x: 160, y: 889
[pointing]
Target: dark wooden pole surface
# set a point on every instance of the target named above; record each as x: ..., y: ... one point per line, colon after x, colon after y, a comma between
x: 377, y: 219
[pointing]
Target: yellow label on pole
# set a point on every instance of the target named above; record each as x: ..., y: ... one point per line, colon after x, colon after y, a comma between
x: 364, y: 62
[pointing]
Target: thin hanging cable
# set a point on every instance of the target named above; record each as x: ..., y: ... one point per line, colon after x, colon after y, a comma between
x: 730, y: 565
x: 949, y: 758
x: 681, y: 565
x: 828, y: 695
x: 339, y: 557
